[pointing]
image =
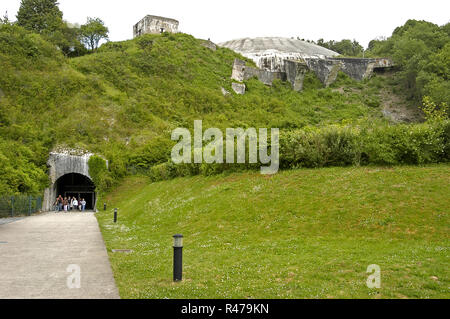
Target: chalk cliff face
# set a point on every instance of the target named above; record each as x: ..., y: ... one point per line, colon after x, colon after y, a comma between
x: 270, y: 53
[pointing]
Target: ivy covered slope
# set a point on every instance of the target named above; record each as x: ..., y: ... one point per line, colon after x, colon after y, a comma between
x: 124, y: 100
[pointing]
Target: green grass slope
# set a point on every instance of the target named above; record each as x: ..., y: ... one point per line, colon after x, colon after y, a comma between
x: 124, y: 100
x: 308, y: 233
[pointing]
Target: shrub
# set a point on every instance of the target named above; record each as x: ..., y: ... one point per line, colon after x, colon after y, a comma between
x: 331, y: 146
x: 339, y: 146
x: 99, y: 173
x: 157, y: 151
x: 373, y: 101
x: 404, y: 144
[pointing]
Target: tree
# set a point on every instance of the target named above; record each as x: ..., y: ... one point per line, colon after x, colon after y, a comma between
x: 41, y: 16
x: 45, y: 18
x: 345, y: 47
x: 5, y: 19
x: 67, y: 39
x: 92, y: 32
x: 433, y: 112
x: 421, y: 51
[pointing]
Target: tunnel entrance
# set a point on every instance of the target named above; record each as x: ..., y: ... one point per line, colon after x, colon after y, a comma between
x: 77, y: 185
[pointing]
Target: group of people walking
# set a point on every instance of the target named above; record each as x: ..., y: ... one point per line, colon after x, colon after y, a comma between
x: 69, y: 203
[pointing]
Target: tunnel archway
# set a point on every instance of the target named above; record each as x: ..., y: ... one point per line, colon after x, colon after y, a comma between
x: 68, y: 171
x: 78, y: 185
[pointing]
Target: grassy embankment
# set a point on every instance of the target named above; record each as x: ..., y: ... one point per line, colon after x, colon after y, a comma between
x: 308, y: 233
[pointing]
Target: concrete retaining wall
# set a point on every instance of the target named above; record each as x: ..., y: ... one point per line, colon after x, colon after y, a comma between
x: 325, y: 69
x: 294, y: 73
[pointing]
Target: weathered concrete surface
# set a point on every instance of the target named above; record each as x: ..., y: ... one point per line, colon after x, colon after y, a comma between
x: 238, y: 71
x: 266, y: 77
x: 295, y: 73
x: 283, y: 58
x: 270, y: 53
x: 325, y: 69
x: 60, y: 164
x: 38, y: 250
x: 361, y: 68
x: 155, y: 25
x: 239, y: 88
x: 8, y: 220
x: 356, y: 68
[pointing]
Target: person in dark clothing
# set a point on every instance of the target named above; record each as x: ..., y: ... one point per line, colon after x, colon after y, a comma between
x: 59, y: 202
x: 66, y: 204
x: 83, y: 205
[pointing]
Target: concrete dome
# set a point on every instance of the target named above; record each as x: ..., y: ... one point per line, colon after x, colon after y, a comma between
x: 269, y: 52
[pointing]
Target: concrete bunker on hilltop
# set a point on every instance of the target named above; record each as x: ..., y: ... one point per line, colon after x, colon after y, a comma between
x: 69, y: 176
x: 270, y: 53
x: 155, y: 25
x: 290, y: 59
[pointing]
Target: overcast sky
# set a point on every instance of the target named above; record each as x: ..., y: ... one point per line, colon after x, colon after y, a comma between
x: 231, y: 19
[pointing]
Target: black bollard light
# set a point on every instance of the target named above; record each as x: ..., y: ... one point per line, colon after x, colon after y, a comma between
x: 177, y: 257
x: 104, y: 206
x: 115, y: 215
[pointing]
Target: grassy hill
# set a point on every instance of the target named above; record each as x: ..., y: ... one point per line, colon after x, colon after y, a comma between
x: 124, y: 100
x: 300, y: 233
x: 308, y: 233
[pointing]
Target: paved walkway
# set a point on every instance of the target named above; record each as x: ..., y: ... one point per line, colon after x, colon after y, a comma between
x: 8, y: 220
x: 35, y: 253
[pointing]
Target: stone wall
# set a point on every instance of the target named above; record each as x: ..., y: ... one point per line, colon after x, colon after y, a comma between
x: 155, y: 25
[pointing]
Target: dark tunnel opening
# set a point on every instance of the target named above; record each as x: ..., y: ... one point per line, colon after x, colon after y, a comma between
x: 77, y: 185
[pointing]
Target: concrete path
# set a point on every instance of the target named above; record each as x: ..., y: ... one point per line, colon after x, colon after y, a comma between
x: 40, y: 257
x: 8, y: 220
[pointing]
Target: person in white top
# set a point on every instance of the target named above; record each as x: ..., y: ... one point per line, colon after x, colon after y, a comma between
x: 74, y: 203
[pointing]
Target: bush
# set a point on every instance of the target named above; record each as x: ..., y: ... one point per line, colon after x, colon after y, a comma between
x: 157, y: 151
x: 404, y: 144
x: 446, y: 141
x: 331, y: 146
x: 339, y: 146
x: 373, y: 101
x: 100, y: 174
